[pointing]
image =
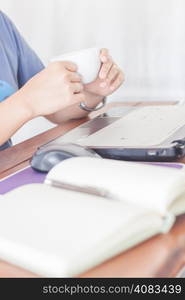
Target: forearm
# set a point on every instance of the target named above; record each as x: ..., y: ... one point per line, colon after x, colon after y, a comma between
x: 13, y: 115
x: 74, y: 111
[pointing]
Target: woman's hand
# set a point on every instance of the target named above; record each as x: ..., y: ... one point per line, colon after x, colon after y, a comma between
x: 53, y: 89
x: 109, y: 79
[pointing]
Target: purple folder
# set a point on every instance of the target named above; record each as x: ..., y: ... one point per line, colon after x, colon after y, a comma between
x: 22, y: 177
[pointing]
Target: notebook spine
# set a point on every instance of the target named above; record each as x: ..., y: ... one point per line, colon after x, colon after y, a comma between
x: 168, y: 221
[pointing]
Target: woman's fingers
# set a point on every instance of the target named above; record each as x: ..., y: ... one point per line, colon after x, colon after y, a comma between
x: 75, y: 77
x: 117, y: 82
x: 113, y: 73
x: 107, y: 63
x: 77, y: 87
x: 105, y: 68
x: 104, y: 54
x: 70, y: 66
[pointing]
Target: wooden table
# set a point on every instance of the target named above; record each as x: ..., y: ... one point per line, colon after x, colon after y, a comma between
x: 160, y: 256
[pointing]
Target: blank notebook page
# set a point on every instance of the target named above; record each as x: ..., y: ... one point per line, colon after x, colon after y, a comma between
x: 151, y: 186
x: 45, y: 229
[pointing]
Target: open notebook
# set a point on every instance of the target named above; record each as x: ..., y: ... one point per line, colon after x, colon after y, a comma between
x: 87, y: 211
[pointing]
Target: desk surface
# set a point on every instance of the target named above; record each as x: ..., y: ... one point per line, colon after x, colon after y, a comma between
x: 160, y: 256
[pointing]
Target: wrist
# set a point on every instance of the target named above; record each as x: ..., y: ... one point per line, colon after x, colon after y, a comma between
x: 20, y: 105
x: 92, y: 100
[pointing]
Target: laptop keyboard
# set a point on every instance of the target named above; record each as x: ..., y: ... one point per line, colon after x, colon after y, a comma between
x: 148, y: 126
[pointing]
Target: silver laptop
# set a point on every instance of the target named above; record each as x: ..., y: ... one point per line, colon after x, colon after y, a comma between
x: 151, y: 133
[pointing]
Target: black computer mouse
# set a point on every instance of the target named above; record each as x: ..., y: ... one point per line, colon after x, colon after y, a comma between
x: 46, y: 157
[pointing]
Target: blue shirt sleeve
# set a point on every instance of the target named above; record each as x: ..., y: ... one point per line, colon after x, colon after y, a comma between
x: 18, y: 62
x: 28, y: 63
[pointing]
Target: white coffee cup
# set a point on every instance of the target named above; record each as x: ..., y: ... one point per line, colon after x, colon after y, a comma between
x: 87, y: 61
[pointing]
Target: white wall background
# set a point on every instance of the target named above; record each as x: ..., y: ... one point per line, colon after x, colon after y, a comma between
x: 146, y: 37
